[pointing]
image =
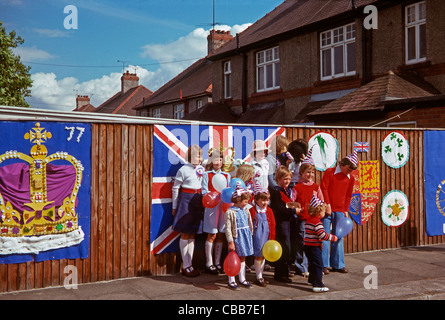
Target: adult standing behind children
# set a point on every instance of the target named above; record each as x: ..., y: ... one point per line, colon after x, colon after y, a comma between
x: 187, y: 206
x: 337, y: 185
x: 277, y: 157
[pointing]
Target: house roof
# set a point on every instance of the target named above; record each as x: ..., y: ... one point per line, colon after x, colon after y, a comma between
x: 124, y: 103
x: 291, y: 15
x: 86, y: 108
x: 193, y: 81
x: 373, y: 95
x: 213, y: 112
x: 263, y: 113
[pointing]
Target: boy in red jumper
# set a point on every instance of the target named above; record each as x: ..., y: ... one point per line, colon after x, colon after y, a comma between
x: 337, y: 184
x: 314, y: 237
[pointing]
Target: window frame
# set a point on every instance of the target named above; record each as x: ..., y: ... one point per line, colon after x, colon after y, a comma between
x: 227, y: 67
x: 328, y: 43
x: 263, y: 67
x: 177, y: 112
x: 156, y: 113
x: 417, y: 23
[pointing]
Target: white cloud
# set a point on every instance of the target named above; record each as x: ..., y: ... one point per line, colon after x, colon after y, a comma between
x: 51, y: 93
x: 32, y: 54
x: 53, y: 33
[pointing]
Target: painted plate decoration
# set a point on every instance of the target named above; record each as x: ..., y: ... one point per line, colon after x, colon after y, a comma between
x: 324, y: 150
x: 395, y: 208
x: 395, y: 150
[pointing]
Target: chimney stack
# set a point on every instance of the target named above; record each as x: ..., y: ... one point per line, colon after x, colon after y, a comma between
x: 129, y: 81
x: 82, y: 101
x: 216, y: 39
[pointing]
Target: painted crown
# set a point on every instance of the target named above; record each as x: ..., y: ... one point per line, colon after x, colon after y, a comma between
x: 44, y: 216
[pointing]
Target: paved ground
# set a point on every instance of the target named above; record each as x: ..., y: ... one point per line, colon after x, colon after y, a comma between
x: 403, y: 274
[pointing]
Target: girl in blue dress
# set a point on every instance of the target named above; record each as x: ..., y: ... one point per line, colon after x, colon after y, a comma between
x: 239, y: 231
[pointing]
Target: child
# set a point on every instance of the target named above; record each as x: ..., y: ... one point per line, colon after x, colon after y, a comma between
x: 284, y: 208
x: 277, y: 157
x: 246, y: 172
x: 187, y: 206
x: 259, y: 162
x: 304, y: 190
x: 313, y: 242
x: 337, y: 185
x: 213, y: 223
x: 263, y: 230
x: 239, y: 233
x: 298, y: 149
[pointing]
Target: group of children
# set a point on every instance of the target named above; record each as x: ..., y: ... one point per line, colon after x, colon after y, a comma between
x: 278, y: 200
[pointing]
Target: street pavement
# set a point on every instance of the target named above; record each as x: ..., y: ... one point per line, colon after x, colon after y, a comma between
x: 415, y: 273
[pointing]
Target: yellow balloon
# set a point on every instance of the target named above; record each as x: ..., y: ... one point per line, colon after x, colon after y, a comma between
x: 272, y: 250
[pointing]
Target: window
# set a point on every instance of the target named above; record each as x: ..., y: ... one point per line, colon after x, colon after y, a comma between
x: 268, y: 69
x: 179, y: 111
x: 415, y: 32
x: 227, y: 80
x: 198, y: 104
x: 407, y: 124
x: 337, y: 52
x: 156, y: 112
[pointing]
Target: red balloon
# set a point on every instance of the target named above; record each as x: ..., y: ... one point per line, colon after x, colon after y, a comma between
x: 226, y: 206
x: 211, y: 199
x: 232, y: 264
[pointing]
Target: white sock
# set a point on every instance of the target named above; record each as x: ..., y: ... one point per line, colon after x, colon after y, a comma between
x: 242, y: 272
x: 208, y: 251
x: 183, y: 248
x: 259, y: 268
x: 231, y: 279
x: 190, y: 250
x: 218, y: 250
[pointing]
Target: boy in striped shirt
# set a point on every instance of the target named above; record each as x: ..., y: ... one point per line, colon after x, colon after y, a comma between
x: 313, y: 242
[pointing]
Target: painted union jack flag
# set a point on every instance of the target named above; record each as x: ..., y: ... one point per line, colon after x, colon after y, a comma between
x: 170, y: 145
x: 361, y: 146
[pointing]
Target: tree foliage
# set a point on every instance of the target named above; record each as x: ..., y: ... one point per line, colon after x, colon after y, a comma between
x: 15, y: 79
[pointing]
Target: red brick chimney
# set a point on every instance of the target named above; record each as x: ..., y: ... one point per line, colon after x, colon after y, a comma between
x: 82, y: 101
x: 217, y: 38
x: 129, y: 81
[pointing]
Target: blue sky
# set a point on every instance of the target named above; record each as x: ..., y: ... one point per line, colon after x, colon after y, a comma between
x: 155, y: 38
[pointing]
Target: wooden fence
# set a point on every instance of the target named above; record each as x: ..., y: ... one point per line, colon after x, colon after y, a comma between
x: 121, y: 170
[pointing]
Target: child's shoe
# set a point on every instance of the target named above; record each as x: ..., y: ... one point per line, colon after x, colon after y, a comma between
x: 233, y: 286
x: 246, y: 284
x: 320, y: 289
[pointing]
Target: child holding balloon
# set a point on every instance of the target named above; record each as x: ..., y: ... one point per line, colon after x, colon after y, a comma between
x: 213, y: 182
x: 187, y: 206
x: 313, y: 242
x: 239, y: 230
x: 263, y: 229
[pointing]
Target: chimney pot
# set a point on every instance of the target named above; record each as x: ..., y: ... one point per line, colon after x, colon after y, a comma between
x: 129, y: 81
x: 82, y: 101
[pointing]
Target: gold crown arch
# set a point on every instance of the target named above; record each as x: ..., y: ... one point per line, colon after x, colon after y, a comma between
x: 40, y: 221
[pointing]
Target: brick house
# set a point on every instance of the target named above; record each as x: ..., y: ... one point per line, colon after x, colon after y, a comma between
x: 130, y: 95
x: 312, y: 61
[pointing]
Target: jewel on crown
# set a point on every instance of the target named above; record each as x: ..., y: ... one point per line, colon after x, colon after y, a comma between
x: 44, y: 217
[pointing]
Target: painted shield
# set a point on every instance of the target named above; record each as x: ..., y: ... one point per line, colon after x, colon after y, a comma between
x: 366, y: 191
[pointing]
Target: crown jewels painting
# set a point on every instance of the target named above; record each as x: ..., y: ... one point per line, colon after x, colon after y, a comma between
x: 44, y: 191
